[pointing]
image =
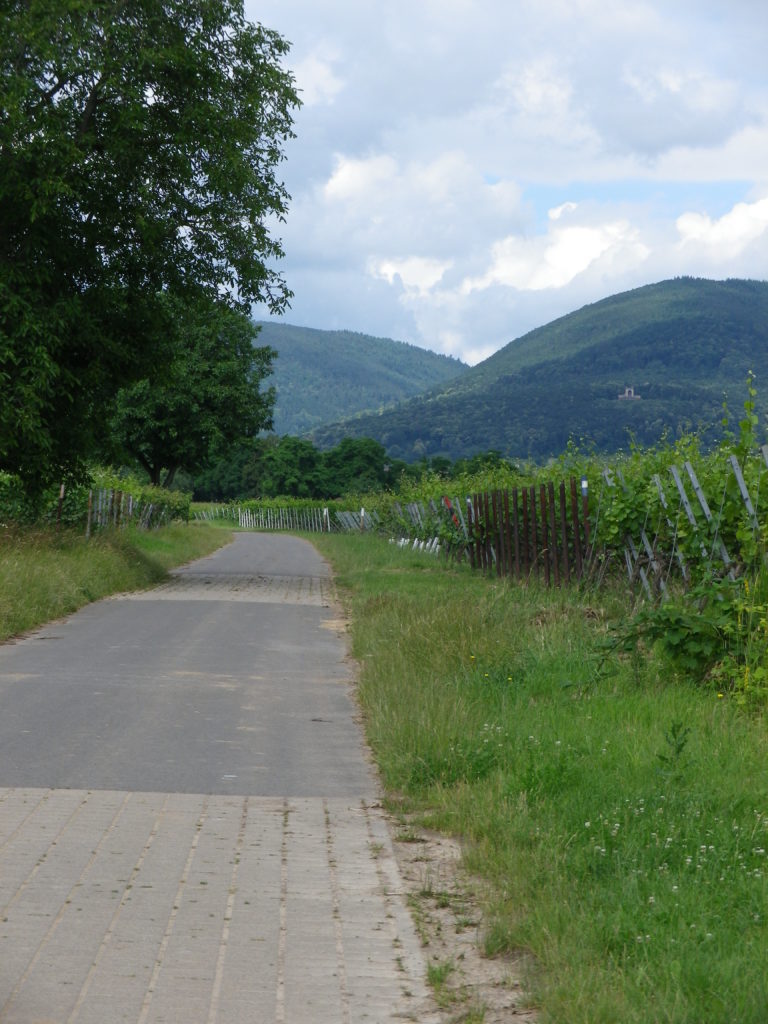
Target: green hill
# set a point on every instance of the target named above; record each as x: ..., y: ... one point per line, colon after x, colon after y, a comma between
x: 682, y: 345
x: 322, y: 376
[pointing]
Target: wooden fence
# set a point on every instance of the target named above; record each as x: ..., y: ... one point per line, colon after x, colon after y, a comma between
x: 538, y: 531
x: 546, y: 532
x: 271, y: 518
x: 109, y: 507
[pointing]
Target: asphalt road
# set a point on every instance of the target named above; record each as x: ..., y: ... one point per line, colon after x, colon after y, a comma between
x: 189, y: 825
x: 230, y: 679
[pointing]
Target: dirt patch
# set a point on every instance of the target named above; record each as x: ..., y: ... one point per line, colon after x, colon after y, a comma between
x: 468, y: 986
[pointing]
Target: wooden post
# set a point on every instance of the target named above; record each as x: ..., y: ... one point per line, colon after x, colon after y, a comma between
x: 534, y: 527
x: 516, y: 533
x: 88, y: 520
x: 498, y: 530
x: 479, y: 529
x: 58, y: 512
x: 576, y: 530
x: 564, y: 534
x: 545, y: 546
x: 553, y: 533
x: 508, y: 535
x: 585, y: 513
x: 488, y: 530
x: 470, y: 548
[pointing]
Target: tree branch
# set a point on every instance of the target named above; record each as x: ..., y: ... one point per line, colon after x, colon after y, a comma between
x: 90, y: 109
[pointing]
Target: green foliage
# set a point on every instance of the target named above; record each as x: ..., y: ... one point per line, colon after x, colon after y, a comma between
x: 323, y: 376
x: 294, y: 467
x: 139, y: 151
x: 681, y: 344
x: 676, y: 739
x: 692, y: 634
x: 168, y: 505
x: 710, y: 621
x: 618, y: 820
x: 207, y: 399
x: 19, y: 508
x: 15, y: 504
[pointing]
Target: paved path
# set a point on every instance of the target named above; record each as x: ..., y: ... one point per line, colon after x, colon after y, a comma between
x: 189, y: 828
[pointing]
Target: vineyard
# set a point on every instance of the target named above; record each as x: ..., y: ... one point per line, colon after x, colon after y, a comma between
x: 683, y: 531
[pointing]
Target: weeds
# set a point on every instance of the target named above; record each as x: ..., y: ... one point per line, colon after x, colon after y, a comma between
x: 619, y: 817
x: 44, y: 575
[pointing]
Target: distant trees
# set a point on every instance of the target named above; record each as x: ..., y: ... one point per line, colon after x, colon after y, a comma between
x: 138, y: 151
x: 293, y: 467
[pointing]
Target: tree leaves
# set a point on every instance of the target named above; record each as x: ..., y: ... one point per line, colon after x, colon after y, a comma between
x: 139, y: 146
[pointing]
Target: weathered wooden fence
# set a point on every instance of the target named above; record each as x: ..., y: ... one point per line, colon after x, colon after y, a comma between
x: 539, y: 531
x: 109, y: 507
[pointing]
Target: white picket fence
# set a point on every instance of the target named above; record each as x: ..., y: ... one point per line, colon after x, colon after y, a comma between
x: 308, y: 520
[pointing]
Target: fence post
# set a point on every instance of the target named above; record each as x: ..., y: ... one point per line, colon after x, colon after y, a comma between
x: 534, y: 529
x: 544, y: 537
x: 509, y: 550
x: 498, y: 530
x: 585, y: 512
x: 564, y: 534
x: 58, y: 512
x: 576, y: 530
x: 516, y: 532
x: 553, y: 533
x: 744, y: 493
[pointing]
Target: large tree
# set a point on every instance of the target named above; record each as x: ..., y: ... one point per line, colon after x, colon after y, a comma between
x: 208, y: 398
x: 139, y: 144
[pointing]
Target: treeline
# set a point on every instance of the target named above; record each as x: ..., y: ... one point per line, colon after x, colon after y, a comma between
x: 293, y: 467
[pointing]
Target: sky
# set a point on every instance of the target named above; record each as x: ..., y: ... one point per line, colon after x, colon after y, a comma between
x: 466, y: 170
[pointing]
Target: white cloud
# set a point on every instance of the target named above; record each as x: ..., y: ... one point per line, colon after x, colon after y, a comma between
x: 469, y: 169
x: 538, y: 89
x: 557, y: 211
x: 553, y: 260
x: 316, y: 81
x: 729, y: 235
x: 353, y: 179
x: 416, y: 273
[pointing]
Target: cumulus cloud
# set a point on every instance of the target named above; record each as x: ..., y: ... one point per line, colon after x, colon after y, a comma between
x: 316, y: 80
x: 354, y: 179
x: 729, y: 235
x: 555, y: 258
x: 466, y: 170
x: 415, y: 272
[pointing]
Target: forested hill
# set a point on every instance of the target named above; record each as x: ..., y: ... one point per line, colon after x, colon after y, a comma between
x: 681, y: 345
x: 322, y: 376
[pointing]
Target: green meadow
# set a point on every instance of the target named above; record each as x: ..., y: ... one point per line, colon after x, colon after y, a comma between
x: 616, y: 813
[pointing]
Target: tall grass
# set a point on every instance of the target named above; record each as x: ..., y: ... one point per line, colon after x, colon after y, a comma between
x: 45, y: 574
x: 618, y: 814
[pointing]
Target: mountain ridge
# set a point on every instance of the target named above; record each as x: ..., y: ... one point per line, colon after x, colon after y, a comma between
x: 680, y: 343
x: 322, y: 375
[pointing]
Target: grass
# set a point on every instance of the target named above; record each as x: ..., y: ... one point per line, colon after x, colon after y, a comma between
x: 45, y: 574
x: 618, y: 814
